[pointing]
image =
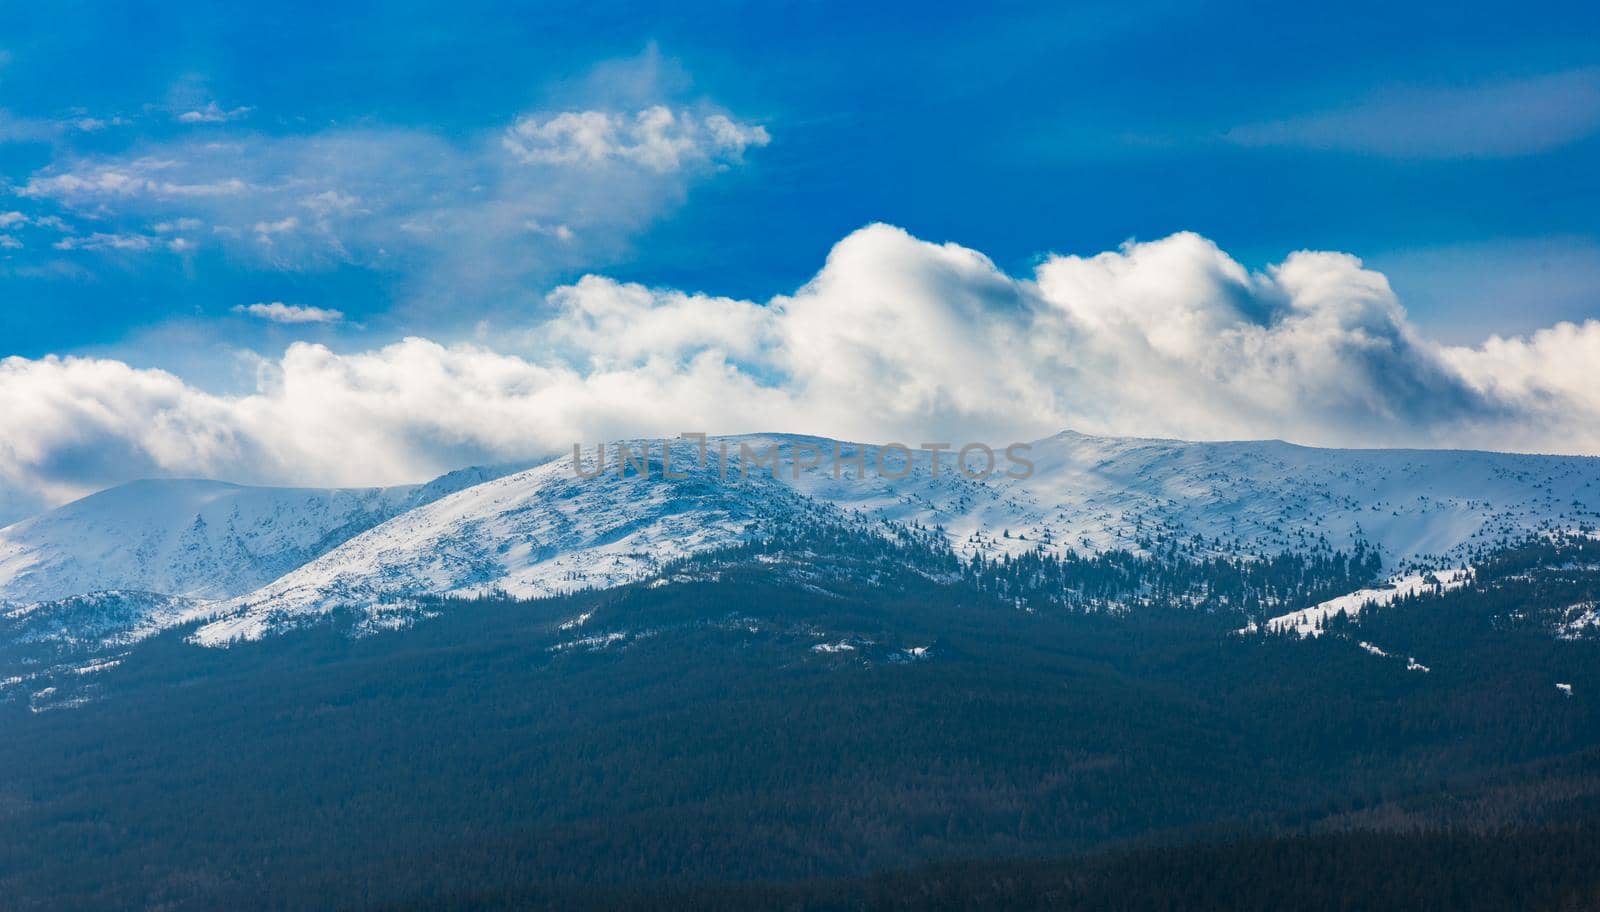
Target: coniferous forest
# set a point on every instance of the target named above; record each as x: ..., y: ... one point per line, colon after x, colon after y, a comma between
x: 834, y: 719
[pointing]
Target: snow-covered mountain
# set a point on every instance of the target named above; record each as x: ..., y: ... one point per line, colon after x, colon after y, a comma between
x: 193, y: 538
x: 544, y: 531
x: 1265, y: 496
x: 548, y: 530
x: 270, y: 556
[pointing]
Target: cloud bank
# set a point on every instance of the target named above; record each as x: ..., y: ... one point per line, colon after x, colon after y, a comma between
x: 893, y: 339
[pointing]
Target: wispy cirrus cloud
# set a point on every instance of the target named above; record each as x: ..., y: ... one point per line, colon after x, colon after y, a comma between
x: 1486, y: 120
x: 279, y: 312
x: 100, y: 240
x: 471, y: 218
x: 104, y: 183
x: 15, y: 128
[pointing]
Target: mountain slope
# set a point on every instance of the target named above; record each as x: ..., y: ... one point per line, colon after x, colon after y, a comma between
x: 279, y: 553
x: 541, y: 532
x: 548, y: 530
x: 1262, y: 496
x: 1090, y: 494
x: 194, y: 538
x: 781, y: 712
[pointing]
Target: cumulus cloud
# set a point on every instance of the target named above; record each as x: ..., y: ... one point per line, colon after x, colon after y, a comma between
x: 279, y: 312
x: 75, y: 424
x: 615, y: 325
x: 1548, y: 378
x: 893, y: 339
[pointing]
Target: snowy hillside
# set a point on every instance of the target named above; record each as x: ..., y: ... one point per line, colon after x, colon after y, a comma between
x: 266, y: 555
x: 1256, y: 497
x: 53, y: 652
x: 547, y: 530
x: 1263, y: 496
x: 201, y: 539
x: 540, y: 532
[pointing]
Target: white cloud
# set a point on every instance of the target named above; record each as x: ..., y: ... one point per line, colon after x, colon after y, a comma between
x: 212, y: 113
x: 10, y: 219
x: 79, y: 422
x: 615, y: 324
x: 147, y: 178
x: 8, y: 242
x: 279, y: 312
x: 894, y: 339
x: 265, y: 230
x: 657, y: 137
x: 180, y: 224
x: 1515, y: 117
x: 126, y: 243
x: 1549, y: 376
x: 472, y: 219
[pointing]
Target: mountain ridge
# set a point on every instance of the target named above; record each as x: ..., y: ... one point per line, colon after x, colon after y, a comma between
x: 546, y: 529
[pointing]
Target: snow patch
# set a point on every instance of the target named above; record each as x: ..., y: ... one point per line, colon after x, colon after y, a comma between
x: 97, y: 666
x: 1578, y: 620
x: 592, y: 643
x: 1411, y: 663
x: 578, y: 621
x: 1309, y: 622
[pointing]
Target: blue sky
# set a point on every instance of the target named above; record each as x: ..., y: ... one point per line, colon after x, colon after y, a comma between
x: 201, y: 188
x: 1022, y: 131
